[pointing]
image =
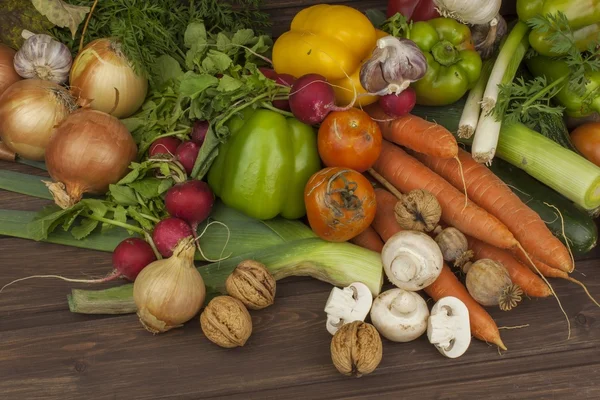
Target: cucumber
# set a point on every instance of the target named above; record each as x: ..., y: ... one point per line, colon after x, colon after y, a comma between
x: 580, y: 227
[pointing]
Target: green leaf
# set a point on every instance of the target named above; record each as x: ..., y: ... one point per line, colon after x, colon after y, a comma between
x: 133, y: 123
x: 120, y: 214
x: 194, y: 34
x: 166, y: 69
x: 165, y: 184
x: 193, y: 84
x: 123, y: 195
x: 136, y: 216
x: 223, y: 42
x: 84, y: 229
x: 216, y: 62
x: 71, y: 219
x: 48, y: 219
x: 148, y: 187
x: 229, y: 84
x: 62, y: 14
x: 97, y: 207
x: 243, y: 36
x: 164, y: 169
x: 132, y: 175
x: 377, y: 17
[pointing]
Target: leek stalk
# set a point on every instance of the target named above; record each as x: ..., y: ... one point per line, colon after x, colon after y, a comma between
x: 337, y: 263
x: 511, y: 54
x: 470, y: 114
x: 557, y: 167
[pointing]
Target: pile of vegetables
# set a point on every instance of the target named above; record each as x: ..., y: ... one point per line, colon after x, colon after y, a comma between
x: 210, y: 142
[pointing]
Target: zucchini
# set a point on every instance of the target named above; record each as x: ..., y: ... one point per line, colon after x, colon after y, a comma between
x: 555, y: 129
x: 580, y: 227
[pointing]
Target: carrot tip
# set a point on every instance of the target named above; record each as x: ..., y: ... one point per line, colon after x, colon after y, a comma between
x: 498, y: 342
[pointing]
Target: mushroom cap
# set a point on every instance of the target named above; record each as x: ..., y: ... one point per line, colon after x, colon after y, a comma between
x: 400, y: 315
x: 346, y: 305
x: 448, y: 328
x: 412, y: 260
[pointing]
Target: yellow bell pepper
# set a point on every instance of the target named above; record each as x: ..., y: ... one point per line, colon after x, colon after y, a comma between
x: 329, y: 40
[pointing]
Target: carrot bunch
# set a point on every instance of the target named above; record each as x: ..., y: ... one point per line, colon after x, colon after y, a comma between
x: 419, y: 154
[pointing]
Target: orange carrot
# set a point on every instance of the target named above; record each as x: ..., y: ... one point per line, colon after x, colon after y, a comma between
x: 483, y: 326
x: 415, y: 133
x: 406, y: 174
x: 489, y: 192
x: 530, y: 282
x: 385, y: 223
x: 369, y: 239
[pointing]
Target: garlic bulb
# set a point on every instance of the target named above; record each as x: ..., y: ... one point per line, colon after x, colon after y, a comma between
x: 395, y: 63
x: 43, y: 58
x: 469, y: 11
x: 489, y: 283
x: 171, y: 291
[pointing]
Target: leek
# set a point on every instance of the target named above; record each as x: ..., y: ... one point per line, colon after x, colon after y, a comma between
x: 559, y: 168
x: 30, y: 185
x: 337, y: 263
x: 505, y: 68
x: 472, y: 109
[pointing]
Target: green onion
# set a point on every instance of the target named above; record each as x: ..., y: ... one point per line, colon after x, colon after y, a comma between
x: 559, y: 168
x: 505, y: 68
x: 470, y: 114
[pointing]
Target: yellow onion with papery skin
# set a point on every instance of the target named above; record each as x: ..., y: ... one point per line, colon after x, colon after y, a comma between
x: 29, y: 112
x: 103, y: 77
x: 8, y: 75
x: 88, y: 151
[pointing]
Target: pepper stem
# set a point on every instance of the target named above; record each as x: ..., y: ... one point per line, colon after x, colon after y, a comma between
x: 444, y: 53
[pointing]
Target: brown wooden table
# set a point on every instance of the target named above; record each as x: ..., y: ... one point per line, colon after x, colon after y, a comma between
x: 46, y: 352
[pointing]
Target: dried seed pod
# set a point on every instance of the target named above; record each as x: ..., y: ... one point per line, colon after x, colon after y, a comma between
x: 454, y: 246
x: 489, y: 284
x: 226, y: 322
x: 418, y: 210
x: 252, y: 284
x: 356, y: 349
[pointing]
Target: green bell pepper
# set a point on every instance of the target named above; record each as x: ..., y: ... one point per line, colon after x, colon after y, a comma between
x: 264, y: 166
x: 453, y: 65
x: 555, y: 69
x: 583, y: 16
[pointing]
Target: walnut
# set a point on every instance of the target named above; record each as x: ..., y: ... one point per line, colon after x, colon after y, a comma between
x: 226, y: 322
x: 356, y: 349
x: 252, y: 284
x: 418, y: 210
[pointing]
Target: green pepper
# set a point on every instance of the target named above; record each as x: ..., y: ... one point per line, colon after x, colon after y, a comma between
x: 453, y: 65
x: 264, y: 166
x: 583, y: 16
x: 556, y: 69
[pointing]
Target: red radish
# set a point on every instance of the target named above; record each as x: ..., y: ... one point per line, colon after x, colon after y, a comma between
x: 400, y: 104
x: 191, y: 201
x: 311, y: 99
x: 131, y: 256
x: 165, y: 145
x: 168, y: 232
x: 186, y: 153
x: 286, y: 80
x: 268, y: 72
x: 199, y: 130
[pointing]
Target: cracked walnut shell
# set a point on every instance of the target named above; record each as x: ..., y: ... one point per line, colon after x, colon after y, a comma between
x: 252, y: 284
x: 356, y: 349
x: 226, y: 322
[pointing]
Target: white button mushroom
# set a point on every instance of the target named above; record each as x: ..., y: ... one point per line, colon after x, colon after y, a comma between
x: 448, y: 328
x: 347, y: 305
x: 412, y: 260
x: 400, y: 315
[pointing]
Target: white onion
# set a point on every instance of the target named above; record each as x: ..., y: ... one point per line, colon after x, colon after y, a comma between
x: 29, y: 111
x: 102, y: 75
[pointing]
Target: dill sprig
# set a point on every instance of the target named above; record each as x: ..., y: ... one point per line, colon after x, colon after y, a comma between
x: 560, y: 34
x: 147, y: 30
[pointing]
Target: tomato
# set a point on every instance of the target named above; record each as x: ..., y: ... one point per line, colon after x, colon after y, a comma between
x: 340, y: 203
x: 586, y: 138
x: 349, y: 139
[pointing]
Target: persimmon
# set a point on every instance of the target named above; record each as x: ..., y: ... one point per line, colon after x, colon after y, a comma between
x: 340, y: 203
x: 586, y: 138
x: 349, y: 139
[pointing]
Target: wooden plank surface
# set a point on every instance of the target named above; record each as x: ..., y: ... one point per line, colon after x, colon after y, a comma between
x: 46, y: 352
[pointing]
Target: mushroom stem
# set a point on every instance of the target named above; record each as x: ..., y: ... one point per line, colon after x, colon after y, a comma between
x: 403, y: 305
